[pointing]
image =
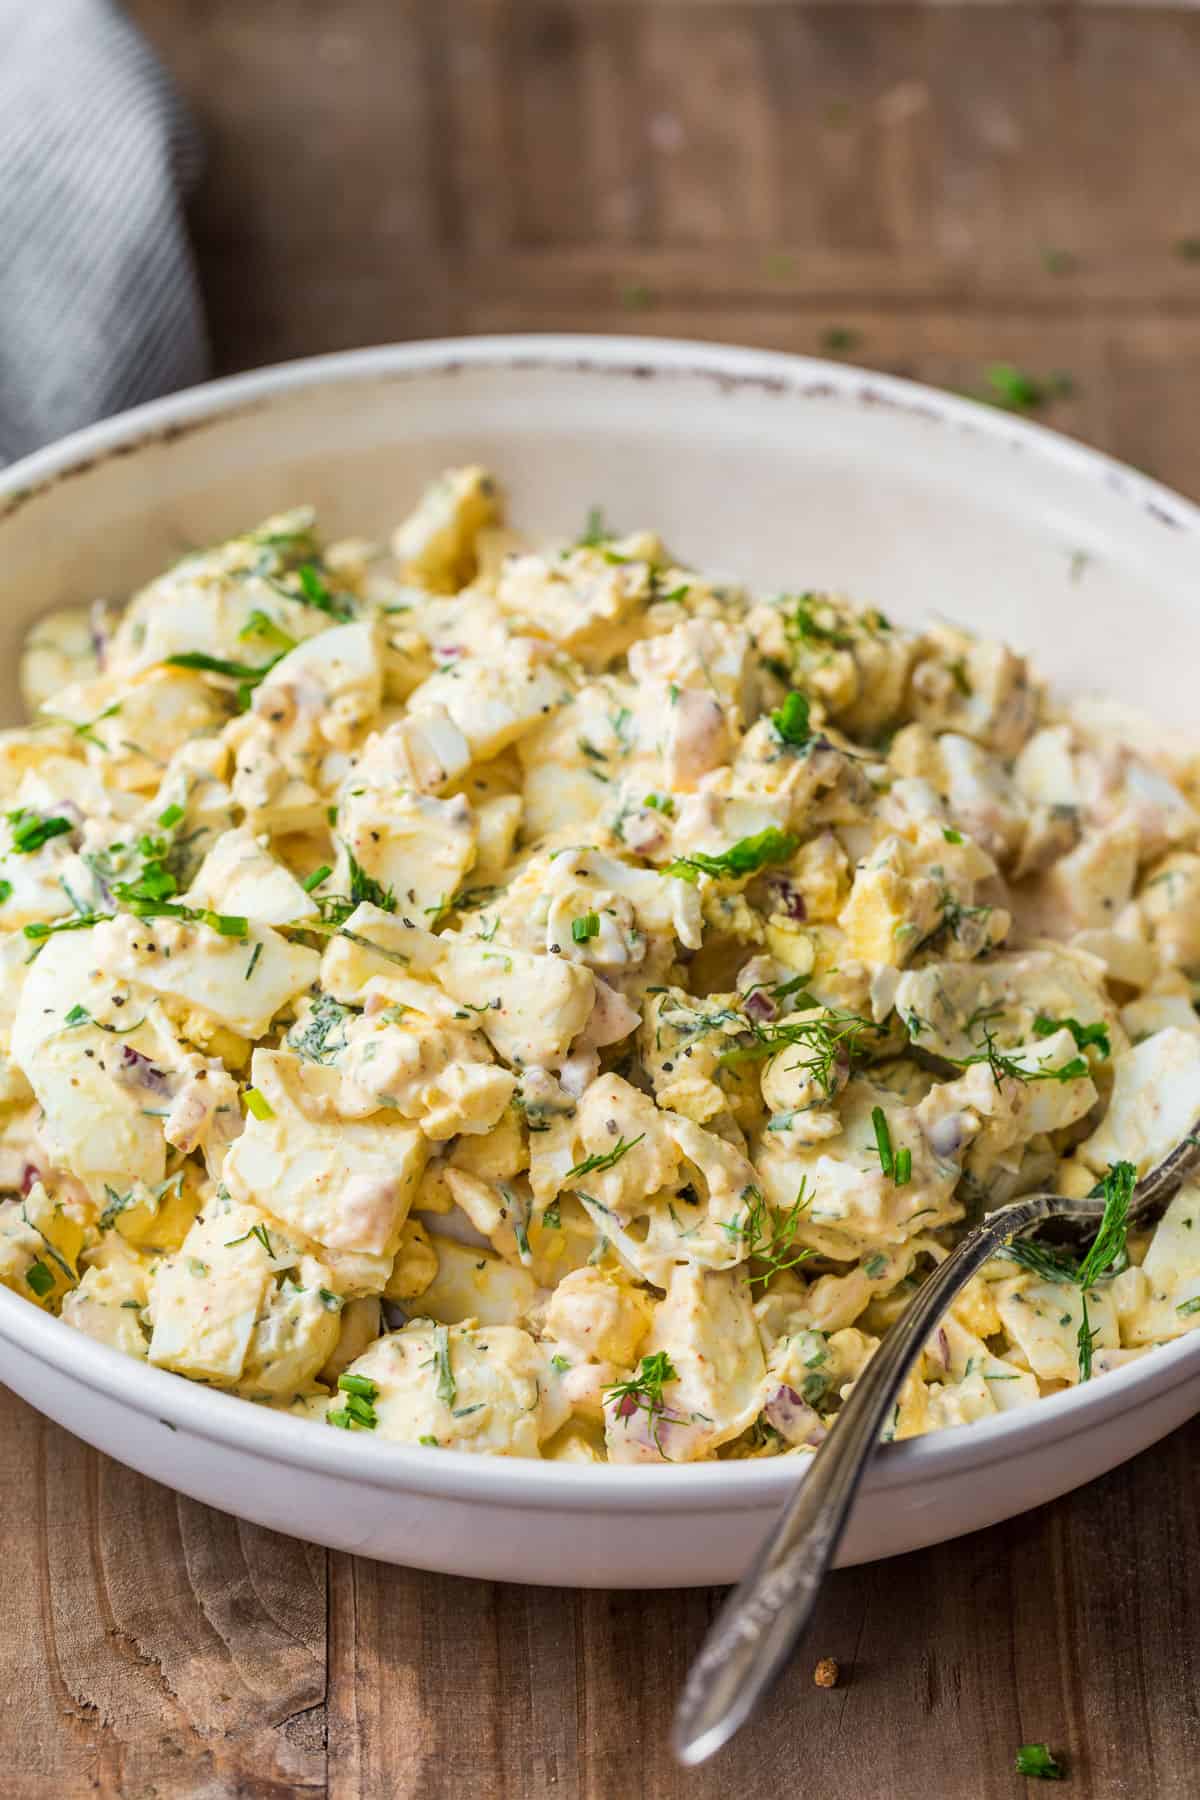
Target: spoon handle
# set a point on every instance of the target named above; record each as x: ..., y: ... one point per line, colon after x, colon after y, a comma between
x: 752, y: 1635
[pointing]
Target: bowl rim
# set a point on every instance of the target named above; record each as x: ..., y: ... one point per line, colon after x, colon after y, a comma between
x: 227, y: 1419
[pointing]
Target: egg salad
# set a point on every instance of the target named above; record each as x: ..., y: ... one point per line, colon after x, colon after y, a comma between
x: 547, y: 1001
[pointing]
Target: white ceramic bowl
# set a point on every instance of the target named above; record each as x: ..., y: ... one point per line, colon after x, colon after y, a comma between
x: 793, y: 474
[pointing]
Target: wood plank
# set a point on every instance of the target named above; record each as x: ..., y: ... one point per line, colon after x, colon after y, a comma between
x: 760, y: 171
x: 150, y: 1643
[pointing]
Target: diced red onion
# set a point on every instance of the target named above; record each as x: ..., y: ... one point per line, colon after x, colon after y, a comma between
x: 791, y: 901
x: 760, y: 1005
x: 136, y: 1070
x: 943, y: 1348
x: 947, y: 1136
x: 793, y: 1418
x: 97, y: 630
x: 30, y: 1178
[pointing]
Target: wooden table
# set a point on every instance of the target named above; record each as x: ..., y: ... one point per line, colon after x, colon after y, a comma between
x: 941, y: 187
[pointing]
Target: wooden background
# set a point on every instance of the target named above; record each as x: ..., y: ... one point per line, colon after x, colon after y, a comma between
x: 941, y: 187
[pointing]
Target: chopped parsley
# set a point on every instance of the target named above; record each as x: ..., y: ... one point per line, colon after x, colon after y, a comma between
x: 745, y: 857
x: 39, y: 1278
x: 791, y: 720
x: 1086, y: 1036
x: 1036, y: 1762
x: 1016, y: 391
x: 951, y: 836
x: 801, y: 624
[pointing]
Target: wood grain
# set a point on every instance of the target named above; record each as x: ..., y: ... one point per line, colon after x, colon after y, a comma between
x: 754, y: 170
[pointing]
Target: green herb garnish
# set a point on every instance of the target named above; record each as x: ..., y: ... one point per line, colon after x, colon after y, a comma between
x: 364, y: 887
x: 40, y: 1279
x: 769, y: 1237
x: 883, y: 1140
x: 585, y: 927
x: 802, y: 625
x: 314, y: 592
x: 261, y: 625
x: 745, y: 857
x: 447, y: 1387
x: 30, y: 832
x: 791, y: 720
x: 643, y: 1392
x: 1085, y: 1035
x: 1036, y: 1762
x: 592, y: 1164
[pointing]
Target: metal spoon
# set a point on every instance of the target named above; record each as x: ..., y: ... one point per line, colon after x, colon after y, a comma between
x: 755, y: 1630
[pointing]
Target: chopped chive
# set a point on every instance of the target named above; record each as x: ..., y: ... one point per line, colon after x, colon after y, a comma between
x: 585, y: 927
x: 257, y: 1104
x: 883, y: 1140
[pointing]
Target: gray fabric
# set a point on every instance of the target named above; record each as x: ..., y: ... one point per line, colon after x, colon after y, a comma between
x: 99, y: 305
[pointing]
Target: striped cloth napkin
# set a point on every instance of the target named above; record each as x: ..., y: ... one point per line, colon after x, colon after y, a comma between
x: 99, y: 305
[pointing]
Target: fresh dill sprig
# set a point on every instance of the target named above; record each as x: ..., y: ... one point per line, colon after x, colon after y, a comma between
x: 769, y: 1237
x: 827, y: 1043
x: 643, y: 1392
x: 592, y: 1164
x: 364, y: 887
x: 1001, y: 1064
